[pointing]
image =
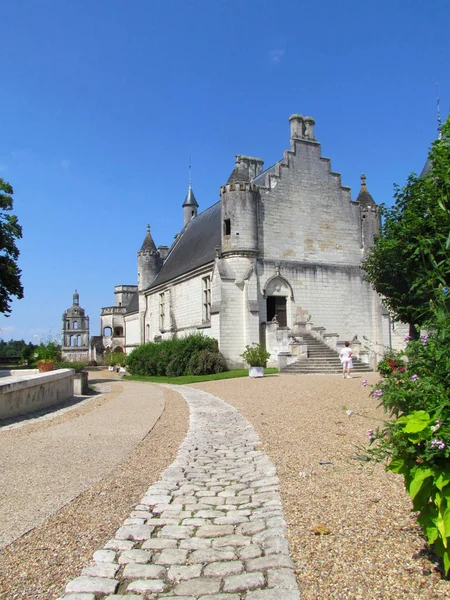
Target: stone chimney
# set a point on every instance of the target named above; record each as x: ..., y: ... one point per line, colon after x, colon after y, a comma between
x: 308, y: 123
x: 296, y: 122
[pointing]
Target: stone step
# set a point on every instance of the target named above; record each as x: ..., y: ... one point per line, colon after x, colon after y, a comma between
x: 321, y: 360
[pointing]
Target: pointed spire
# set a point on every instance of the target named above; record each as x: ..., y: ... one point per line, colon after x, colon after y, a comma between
x: 190, y: 198
x: 364, y: 197
x: 148, y: 244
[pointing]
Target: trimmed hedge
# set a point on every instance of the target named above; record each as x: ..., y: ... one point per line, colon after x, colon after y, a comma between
x: 176, y: 357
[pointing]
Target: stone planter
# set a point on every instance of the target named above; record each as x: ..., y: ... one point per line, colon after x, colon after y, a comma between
x: 80, y: 384
x: 256, y: 372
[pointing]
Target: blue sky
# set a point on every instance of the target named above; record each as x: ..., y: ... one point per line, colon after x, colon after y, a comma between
x: 103, y: 102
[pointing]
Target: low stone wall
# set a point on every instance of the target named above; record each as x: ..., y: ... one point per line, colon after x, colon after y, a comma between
x: 22, y: 394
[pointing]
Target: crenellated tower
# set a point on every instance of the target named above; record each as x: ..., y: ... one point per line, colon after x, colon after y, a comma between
x: 149, y: 262
x: 370, y: 217
x: 239, y: 208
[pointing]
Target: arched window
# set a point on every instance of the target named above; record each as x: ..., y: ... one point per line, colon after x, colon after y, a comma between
x: 107, y: 331
x: 118, y: 331
x: 75, y: 324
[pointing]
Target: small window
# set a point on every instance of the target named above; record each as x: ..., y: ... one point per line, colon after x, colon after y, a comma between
x: 75, y: 325
x: 227, y: 227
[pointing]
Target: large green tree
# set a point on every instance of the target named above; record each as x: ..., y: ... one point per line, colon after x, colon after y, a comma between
x: 10, y: 231
x: 409, y: 263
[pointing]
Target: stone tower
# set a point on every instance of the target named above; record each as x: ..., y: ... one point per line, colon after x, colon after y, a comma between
x: 190, y: 206
x: 370, y: 217
x: 236, y: 266
x: 149, y: 262
x: 75, y: 332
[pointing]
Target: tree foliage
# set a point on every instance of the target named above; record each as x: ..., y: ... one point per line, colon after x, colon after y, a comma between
x: 410, y: 259
x: 10, y: 231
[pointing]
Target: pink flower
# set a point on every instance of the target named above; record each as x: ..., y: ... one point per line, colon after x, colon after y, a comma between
x: 439, y: 444
x: 378, y: 393
x: 424, y: 339
x: 414, y: 378
x: 370, y: 434
x: 364, y: 382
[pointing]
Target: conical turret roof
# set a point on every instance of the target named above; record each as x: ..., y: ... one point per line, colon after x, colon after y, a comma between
x: 148, y: 244
x: 190, y: 198
x: 364, y: 197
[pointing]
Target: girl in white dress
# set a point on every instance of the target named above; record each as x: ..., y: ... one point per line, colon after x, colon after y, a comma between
x: 346, y: 360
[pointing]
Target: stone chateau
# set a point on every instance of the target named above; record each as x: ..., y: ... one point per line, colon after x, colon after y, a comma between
x: 278, y: 255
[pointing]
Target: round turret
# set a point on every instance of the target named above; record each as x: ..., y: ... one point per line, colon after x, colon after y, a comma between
x: 239, y: 206
x: 149, y: 262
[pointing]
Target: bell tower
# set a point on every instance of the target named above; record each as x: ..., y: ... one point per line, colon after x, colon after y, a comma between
x: 75, y: 332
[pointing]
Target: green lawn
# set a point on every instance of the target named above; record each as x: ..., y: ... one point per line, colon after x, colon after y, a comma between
x: 197, y: 378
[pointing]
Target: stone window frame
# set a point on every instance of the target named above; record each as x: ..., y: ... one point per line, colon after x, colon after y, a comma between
x: 206, y: 299
x: 162, y: 310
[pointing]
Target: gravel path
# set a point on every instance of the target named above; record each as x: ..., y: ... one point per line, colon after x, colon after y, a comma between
x: 39, y: 564
x: 80, y: 449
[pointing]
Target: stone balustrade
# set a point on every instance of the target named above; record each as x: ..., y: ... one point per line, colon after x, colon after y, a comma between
x: 24, y: 393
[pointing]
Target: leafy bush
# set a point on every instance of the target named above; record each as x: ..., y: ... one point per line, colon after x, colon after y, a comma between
x: 116, y: 359
x: 255, y: 356
x: 78, y: 366
x: 415, y: 442
x: 51, y: 351
x: 206, y: 362
x: 170, y: 357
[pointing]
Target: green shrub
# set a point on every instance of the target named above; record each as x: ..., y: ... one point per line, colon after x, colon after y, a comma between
x: 78, y: 366
x: 51, y: 351
x: 206, y: 362
x: 170, y: 357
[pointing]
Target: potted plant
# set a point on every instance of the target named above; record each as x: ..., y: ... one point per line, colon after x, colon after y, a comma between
x: 46, y: 355
x: 256, y: 357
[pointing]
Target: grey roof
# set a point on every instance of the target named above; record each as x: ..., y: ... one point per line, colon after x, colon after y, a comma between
x: 364, y: 197
x: 148, y: 244
x: 190, y: 198
x: 261, y: 178
x: 133, y: 305
x: 195, y: 247
x: 427, y: 168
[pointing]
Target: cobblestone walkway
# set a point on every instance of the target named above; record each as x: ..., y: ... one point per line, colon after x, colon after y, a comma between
x: 212, y: 528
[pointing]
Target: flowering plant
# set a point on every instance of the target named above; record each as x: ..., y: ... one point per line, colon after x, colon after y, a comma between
x: 415, y: 441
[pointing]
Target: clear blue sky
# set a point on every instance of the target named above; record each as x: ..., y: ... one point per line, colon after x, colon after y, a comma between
x: 103, y: 102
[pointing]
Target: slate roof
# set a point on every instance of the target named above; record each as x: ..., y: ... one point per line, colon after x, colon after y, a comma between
x: 190, y: 199
x: 364, y: 197
x: 133, y: 305
x: 427, y: 168
x: 195, y: 247
x: 261, y: 178
x: 148, y: 245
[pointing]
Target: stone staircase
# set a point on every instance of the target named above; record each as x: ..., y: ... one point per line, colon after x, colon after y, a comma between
x: 322, y: 360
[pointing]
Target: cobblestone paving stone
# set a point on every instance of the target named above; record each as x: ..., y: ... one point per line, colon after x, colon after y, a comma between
x: 211, y: 528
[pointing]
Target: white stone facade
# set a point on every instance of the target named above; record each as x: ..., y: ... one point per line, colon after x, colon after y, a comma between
x: 285, y: 245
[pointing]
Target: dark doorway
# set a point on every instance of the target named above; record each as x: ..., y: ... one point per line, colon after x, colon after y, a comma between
x: 276, y: 306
